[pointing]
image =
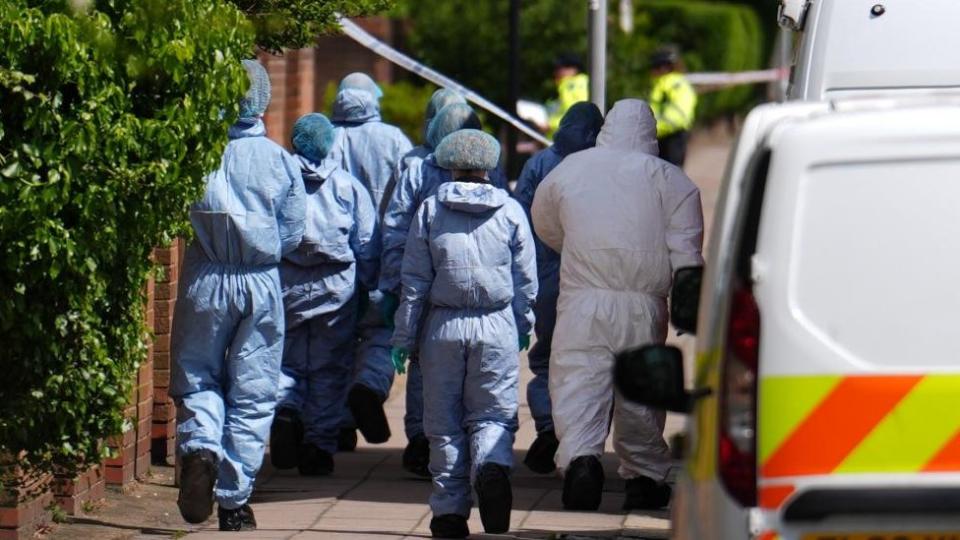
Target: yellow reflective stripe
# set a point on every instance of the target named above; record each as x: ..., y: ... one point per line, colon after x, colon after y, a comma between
x: 910, y: 435
x: 784, y: 403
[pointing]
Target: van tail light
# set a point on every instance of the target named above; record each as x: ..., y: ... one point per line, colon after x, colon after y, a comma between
x: 738, y: 399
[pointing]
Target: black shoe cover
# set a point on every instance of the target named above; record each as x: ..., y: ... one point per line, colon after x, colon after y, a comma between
x: 449, y: 526
x: 367, y: 409
x: 646, y: 494
x: 540, y: 456
x: 416, y: 456
x: 286, y: 434
x: 198, y: 474
x: 495, y: 497
x: 314, y: 461
x: 239, y: 519
x: 347, y: 440
x: 583, y: 484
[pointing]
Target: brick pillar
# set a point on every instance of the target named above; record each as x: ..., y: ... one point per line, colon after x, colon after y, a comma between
x: 24, y: 502
x: 306, y: 82
x: 276, y: 115
x: 165, y: 298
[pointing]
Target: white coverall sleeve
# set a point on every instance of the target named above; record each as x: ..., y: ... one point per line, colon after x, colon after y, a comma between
x: 683, y: 215
x: 416, y: 278
x: 546, y: 215
x: 524, y: 270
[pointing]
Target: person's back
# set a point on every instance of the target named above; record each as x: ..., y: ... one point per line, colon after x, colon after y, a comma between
x: 239, y: 221
x: 364, y: 145
x: 623, y: 221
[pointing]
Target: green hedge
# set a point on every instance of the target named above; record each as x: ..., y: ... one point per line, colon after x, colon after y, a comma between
x: 714, y: 36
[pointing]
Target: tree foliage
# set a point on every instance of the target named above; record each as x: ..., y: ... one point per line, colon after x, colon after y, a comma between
x: 469, y: 41
x: 294, y: 24
x: 111, y: 114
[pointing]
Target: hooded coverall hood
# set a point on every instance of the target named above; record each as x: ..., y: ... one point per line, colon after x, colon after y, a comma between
x: 471, y: 197
x: 630, y: 126
x: 355, y: 106
x: 578, y: 129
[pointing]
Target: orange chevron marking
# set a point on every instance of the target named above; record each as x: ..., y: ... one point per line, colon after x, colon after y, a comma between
x: 838, y: 425
x: 947, y: 459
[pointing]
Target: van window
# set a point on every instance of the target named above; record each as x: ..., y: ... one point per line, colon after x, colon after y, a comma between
x: 876, y: 262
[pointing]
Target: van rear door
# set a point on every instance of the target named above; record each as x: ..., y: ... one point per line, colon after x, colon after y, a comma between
x: 857, y: 279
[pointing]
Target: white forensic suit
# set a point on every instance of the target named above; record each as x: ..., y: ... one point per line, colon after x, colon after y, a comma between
x: 624, y: 221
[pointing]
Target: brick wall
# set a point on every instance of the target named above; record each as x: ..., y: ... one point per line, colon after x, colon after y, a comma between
x: 164, y: 428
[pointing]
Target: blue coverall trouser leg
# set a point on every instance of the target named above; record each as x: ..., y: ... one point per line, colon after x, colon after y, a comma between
x: 470, y: 370
x: 538, y: 389
x: 227, y: 343
x: 318, y: 367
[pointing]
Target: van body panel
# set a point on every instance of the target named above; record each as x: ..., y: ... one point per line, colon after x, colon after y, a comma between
x: 845, y: 49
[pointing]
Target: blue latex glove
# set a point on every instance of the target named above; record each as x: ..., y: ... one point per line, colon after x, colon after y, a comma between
x: 399, y: 357
x: 388, y: 308
x: 524, y: 342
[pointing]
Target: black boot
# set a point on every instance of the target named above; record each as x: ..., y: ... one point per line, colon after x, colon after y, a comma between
x: 367, y: 409
x: 449, y: 526
x: 198, y: 474
x: 646, y: 494
x: 286, y: 434
x: 314, y: 461
x: 238, y: 519
x: 416, y: 456
x: 347, y: 440
x: 540, y: 456
x: 583, y: 484
x: 495, y: 496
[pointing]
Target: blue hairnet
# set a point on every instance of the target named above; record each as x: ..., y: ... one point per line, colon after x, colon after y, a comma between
x: 451, y: 118
x: 361, y: 81
x: 313, y: 136
x: 255, y: 103
x: 468, y: 150
x: 578, y: 129
x: 440, y: 99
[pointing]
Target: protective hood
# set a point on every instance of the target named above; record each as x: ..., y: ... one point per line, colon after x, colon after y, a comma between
x: 578, y: 129
x: 630, y: 126
x: 355, y: 106
x: 471, y: 197
x: 247, y: 127
x: 315, y: 172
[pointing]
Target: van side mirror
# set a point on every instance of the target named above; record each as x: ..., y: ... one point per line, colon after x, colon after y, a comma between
x: 653, y: 376
x: 685, y: 298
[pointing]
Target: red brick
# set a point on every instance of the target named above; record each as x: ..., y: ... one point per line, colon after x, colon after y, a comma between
x: 161, y: 344
x: 162, y: 326
x: 119, y: 476
x: 163, y: 310
x: 161, y: 360
x: 163, y: 414
x: 142, y: 470
x: 126, y: 456
x: 161, y: 378
x: 126, y: 439
x: 165, y: 290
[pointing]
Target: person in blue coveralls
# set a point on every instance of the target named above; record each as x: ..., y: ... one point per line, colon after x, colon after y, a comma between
x: 577, y: 131
x: 418, y: 182
x: 228, y: 326
x: 323, y: 291
x: 470, y: 266
x: 369, y: 149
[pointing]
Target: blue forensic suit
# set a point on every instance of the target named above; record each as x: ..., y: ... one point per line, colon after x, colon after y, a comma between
x: 470, y: 261
x: 228, y: 327
x: 340, y: 250
x: 370, y: 150
x: 416, y: 184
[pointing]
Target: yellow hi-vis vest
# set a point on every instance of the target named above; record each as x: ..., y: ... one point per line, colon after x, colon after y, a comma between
x: 573, y: 89
x: 674, y: 103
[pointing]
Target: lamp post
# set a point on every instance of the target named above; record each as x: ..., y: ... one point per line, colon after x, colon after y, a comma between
x: 597, y: 25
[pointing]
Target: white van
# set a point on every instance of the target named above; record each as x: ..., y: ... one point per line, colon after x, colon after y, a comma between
x: 827, y: 378
x: 856, y: 47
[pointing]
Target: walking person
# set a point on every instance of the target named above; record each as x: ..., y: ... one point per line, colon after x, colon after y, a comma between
x: 370, y: 150
x: 228, y: 326
x: 674, y: 104
x: 324, y: 282
x: 418, y: 182
x: 623, y: 220
x: 470, y: 264
x: 577, y: 131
